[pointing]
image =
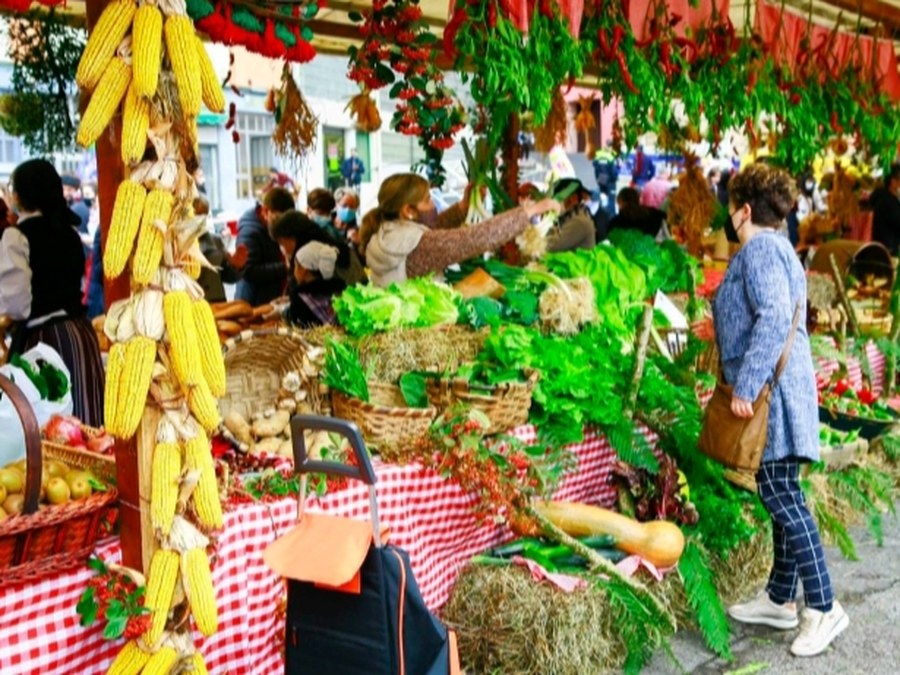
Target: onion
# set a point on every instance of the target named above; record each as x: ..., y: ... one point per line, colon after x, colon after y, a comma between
x: 65, y: 430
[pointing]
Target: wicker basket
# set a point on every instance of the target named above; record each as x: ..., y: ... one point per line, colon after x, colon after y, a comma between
x: 505, y: 404
x: 39, y: 542
x: 385, y: 419
x: 256, y: 362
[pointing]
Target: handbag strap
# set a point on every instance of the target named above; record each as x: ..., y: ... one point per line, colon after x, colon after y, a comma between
x: 789, y: 343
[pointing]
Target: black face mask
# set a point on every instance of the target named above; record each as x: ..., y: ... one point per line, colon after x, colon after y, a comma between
x: 731, y: 233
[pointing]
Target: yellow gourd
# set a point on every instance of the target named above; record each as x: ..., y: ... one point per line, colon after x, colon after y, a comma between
x: 659, y: 541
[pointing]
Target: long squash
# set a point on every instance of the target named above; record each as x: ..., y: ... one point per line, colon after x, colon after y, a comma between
x: 658, y: 541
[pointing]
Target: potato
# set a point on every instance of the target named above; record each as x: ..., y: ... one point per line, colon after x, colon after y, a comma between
x: 286, y: 449
x: 267, y: 446
x: 239, y: 427
x: 271, y: 426
x: 315, y: 441
x: 288, y: 404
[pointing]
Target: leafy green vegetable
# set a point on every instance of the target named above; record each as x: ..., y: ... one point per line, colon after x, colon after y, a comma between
x: 482, y: 311
x: 415, y: 303
x: 343, y: 370
x: 412, y: 386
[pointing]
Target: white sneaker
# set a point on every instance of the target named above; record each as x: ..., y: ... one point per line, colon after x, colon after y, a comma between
x: 761, y: 610
x: 818, y: 629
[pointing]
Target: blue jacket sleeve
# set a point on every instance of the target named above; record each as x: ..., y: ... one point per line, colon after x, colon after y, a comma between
x: 256, y: 270
x: 768, y: 292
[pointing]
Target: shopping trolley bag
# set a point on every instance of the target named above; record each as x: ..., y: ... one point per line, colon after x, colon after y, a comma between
x: 353, y: 605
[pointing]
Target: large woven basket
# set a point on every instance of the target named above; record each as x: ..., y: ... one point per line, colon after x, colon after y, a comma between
x: 385, y: 419
x: 505, y: 404
x: 256, y: 362
x: 42, y: 541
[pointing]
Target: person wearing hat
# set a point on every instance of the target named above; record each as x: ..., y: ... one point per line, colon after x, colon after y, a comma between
x: 576, y: 228
x: 41, y: 273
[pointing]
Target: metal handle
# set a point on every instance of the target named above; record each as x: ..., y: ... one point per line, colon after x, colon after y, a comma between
x: 303, y: 465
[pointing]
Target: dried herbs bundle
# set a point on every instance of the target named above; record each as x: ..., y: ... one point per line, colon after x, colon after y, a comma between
x: 296, y: 125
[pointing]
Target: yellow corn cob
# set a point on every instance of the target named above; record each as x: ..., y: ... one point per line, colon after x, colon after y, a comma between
x: 198, y: 457
x: 114, y: 367
x: 146, y: 46
x: 212, y: 96
x: 161, y: 663
x: 200, y: 591
x: 165, y: 474
x: 210, y: 349
x: 130, y: 660
x: 199, y: 664
x: 140, y: 354
x: 123, y: 229
x: 184, y: 347
x: 106, y: 98
x: 158, y: 207
x: 135, y: 124
x: 204, y: 406
x: 182, y: 50
x: 160, y: 590
x: 103, y: 41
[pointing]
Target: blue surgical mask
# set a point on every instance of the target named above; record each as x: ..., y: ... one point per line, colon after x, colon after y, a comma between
x: 322, y: 221
x: 346, y: 215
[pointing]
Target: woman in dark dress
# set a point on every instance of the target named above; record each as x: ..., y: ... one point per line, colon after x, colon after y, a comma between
x: 41, y: 275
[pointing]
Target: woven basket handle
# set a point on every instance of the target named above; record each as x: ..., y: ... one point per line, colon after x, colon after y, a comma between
x: 32, y: 443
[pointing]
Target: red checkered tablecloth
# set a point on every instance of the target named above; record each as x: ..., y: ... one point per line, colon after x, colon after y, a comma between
x: 428, y: 516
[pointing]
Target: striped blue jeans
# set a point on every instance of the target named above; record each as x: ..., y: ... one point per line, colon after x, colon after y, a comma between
x: 798, y: 548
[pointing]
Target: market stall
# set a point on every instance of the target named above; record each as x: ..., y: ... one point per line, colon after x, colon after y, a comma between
x: 428, y: 516
x: 586, y: 345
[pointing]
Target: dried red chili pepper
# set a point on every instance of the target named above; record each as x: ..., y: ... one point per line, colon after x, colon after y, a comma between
x: 626, y: 74
x: 491, y: 14
x: 618, y: 34
x: 604, y: 50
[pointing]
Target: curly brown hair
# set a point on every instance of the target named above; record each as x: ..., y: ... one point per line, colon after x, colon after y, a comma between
x: 768, y: 190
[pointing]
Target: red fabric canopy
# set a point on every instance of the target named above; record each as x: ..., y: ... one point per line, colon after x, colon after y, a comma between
x: 783, y: 35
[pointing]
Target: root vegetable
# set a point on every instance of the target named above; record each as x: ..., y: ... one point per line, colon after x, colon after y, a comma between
x: 267, y: 446
x: 239, y: 427
x: 268, y: 427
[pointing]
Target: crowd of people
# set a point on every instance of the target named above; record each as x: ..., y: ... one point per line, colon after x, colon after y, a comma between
x: 298, y: 259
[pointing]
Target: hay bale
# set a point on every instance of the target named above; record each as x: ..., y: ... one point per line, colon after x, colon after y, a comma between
x: 508, y: 623
x: 443, y: 349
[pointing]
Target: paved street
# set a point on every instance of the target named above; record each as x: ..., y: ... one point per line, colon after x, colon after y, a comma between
x: 870, y: 592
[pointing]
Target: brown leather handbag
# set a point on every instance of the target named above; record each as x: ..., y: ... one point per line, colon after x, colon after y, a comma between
x: 736, y: 442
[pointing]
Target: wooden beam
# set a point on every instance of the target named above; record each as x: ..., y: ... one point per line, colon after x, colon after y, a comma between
x: 110, y: 173
x: 876, y: 10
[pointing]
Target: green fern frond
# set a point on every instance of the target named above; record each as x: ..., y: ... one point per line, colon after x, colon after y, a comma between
x: 623, y: 439
x: 836, y: 530
x: 642, y: 628
x: 822, y: 347
x: 704, y: 599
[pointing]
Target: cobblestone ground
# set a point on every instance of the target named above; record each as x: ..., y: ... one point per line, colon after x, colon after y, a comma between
x: 869, y: 589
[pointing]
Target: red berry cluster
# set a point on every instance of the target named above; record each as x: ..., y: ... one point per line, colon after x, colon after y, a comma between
x: 397, y: 40
x: 113, y: 597
x: 501, y: 478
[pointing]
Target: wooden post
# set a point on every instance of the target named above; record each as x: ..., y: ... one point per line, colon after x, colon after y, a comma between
x: 511, y: 159
x: 110, y: 173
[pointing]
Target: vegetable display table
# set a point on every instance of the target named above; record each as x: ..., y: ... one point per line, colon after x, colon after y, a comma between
x: 429, y: 516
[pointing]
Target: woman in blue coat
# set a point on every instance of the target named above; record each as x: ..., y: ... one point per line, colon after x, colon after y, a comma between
x: 752, y: 315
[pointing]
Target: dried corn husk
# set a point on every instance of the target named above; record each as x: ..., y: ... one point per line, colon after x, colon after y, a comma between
x: 692, y: 205
x: 554, y: 130
x: 365, y: 111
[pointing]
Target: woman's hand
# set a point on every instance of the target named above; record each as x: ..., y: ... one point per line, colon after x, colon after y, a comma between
x: 542, y: 207
x: 704, y: 329
x: 741, y: 408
